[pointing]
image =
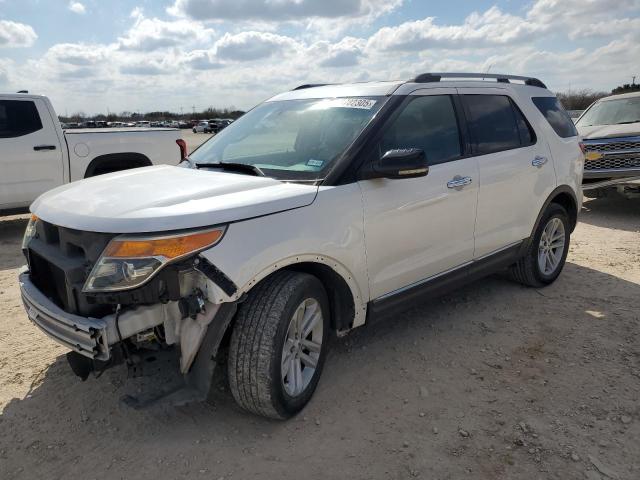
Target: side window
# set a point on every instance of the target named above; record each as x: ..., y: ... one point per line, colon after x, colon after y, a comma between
x: 18, y: 117
x: 527, y: 135
x: 492, y: 123
x: 428, y: 123
x: 557, y: 116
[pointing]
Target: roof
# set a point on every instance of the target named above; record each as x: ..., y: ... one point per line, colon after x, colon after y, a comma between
x: 403, y: 87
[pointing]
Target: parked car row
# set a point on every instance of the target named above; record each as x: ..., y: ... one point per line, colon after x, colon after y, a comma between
x: 117, y: 124
x: 211, y: 126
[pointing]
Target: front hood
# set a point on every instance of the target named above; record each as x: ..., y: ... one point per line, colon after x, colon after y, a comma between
x: 609, y: 131
x: 161, y: 198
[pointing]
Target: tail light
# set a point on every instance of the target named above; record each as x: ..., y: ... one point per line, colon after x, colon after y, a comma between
x: 582, y: 147
x: 183, y: 148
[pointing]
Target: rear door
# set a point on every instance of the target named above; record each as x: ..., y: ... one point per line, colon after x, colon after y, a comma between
x: 516, y: 171
x: 419, y: 227
x: 31, y: 158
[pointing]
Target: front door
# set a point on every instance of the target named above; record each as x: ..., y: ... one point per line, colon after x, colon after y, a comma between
x: 31, y: 159
x: 417, y: 228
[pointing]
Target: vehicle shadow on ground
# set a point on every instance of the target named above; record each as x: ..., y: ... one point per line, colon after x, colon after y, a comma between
x: 613, y: 211
x: 87, y: 413
x: 11, y: 232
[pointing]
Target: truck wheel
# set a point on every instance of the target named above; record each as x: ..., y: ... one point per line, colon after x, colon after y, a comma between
x: 278, y: 345
x: 547, y: 253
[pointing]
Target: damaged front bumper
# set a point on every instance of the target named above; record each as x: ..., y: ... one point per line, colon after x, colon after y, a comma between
x: 198, y: 337
x: 86, y: 336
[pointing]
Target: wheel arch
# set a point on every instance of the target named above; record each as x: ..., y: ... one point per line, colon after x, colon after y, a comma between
x: 564, y: 196
x: 348, y: 308
x: 113, y: 162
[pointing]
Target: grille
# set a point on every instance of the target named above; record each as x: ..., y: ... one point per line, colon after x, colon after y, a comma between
x: 60, y: 260
x: 611, y: 147
x: 612, y: 162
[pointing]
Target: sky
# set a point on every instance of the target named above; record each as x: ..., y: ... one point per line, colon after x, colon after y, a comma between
x: 97, y: 56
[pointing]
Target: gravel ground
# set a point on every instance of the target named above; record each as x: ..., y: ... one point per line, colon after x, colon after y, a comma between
x: 495, y: 382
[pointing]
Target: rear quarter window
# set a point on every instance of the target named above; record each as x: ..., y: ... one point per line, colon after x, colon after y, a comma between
x: 18, y: 118
x: 557, y: 116
x: 495, y: 124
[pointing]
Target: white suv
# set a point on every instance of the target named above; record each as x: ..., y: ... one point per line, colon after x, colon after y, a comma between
x: 319, y: 209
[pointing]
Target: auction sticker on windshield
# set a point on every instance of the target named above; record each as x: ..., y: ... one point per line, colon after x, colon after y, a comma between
x: 361, y: 103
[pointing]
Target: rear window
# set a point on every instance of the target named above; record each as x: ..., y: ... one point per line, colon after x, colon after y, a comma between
x: 18, y: 118
x: 557, y: 116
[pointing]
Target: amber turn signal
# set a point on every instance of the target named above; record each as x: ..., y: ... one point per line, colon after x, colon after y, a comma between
x: 167, y: 247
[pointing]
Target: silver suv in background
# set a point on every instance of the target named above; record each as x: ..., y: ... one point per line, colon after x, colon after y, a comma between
x: 610, y: 129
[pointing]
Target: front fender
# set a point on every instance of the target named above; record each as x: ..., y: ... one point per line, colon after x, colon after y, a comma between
x: 255, y: 248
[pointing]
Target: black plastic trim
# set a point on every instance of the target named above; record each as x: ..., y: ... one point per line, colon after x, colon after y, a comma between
x: 217, y: 276
x: 552, y: 196
x: 441, y: 284
x: 115, y: 160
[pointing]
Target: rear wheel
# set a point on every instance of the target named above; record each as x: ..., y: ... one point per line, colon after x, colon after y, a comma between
x: 547, y: 253
x: 278, y: 345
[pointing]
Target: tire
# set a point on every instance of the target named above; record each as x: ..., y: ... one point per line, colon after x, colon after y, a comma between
x: 528, y: 269
x: 256, y: 353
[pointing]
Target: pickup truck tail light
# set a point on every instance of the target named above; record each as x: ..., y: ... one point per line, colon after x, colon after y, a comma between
x: 183, y: 148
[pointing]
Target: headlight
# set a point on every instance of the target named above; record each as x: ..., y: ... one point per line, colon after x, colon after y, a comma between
x: 129, y: 262
x: 29, y: 232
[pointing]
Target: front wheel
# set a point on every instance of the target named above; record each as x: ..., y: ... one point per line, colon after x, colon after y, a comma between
x: 278, y: 345
x: 546, y: 255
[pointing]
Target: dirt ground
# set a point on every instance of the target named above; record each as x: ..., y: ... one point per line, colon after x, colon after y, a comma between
x: 494, y: 382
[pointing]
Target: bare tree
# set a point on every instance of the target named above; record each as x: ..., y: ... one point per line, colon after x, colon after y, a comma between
x: 579, y: 99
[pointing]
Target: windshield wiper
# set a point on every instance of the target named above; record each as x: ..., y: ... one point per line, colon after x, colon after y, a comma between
x: 626, y: 123
x: 234, y: 167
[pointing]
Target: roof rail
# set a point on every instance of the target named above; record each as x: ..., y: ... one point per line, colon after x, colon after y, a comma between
x: 310, y: 85
x: 500, y: 78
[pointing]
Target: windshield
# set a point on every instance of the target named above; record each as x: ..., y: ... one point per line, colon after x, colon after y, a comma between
x: 291, y: 139
x: 612, y: 112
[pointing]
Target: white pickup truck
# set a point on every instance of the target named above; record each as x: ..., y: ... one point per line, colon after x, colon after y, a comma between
x: 37, y: 155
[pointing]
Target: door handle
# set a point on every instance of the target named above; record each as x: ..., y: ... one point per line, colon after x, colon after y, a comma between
x: 458, y: 182
x: 539, y: 161
x: 44, y: 147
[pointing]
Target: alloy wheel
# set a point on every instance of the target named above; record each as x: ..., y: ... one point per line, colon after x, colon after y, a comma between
x: 302, y: 346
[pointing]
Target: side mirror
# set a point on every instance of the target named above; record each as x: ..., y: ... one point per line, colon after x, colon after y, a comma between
x: 401, y: 163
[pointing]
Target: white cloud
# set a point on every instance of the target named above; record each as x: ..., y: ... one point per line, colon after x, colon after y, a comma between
x: 77, y: 7
x: 201, y: 60
x: 491, y: 28
x: 148, y: 34
x: 279, y: 10
x: 346, y: 53
x: 247, y: 46
x: 164, y: 63
x: 78, y: 54
x: 15, y: 34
